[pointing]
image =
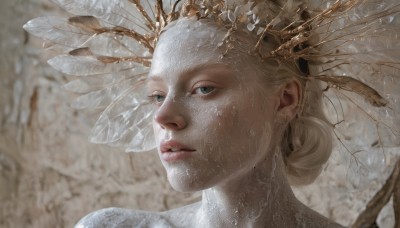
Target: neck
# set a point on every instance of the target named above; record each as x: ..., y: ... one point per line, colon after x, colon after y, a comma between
x: 258, y: 198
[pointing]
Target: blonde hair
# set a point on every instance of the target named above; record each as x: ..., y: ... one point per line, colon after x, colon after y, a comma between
x: 307, y: 140
x: 306, y: 143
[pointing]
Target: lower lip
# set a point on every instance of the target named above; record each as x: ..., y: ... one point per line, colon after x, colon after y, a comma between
x: 176, y: 155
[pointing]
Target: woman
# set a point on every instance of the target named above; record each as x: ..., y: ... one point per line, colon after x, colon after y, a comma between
x: 236, y: 112
x: 219, y: 124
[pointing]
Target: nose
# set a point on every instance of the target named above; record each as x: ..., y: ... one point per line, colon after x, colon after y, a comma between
x: 168, y: 116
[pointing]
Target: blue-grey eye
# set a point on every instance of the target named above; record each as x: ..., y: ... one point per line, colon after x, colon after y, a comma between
x: 204, y: 90
x: 159, y: 98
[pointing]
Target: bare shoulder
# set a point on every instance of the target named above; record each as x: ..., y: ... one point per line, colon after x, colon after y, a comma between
x: 121, y: 218
x: 183, y: 216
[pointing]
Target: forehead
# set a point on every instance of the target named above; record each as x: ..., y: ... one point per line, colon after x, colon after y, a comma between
x: 187, y: 44
x: 191, y: 33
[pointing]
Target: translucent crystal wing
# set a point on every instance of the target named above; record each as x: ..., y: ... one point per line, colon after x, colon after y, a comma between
x: 96, y: 82
x: 57, y: 30
x: 108, y: 45
x: 102, y: 96
x: 87, y: 65
x: 126, y: 122
x: 116, y: 12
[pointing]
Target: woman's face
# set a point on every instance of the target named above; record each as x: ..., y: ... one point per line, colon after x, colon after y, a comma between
x: 213, y: 116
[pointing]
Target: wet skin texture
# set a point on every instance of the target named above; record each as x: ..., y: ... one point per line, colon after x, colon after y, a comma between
x: 219, y: 107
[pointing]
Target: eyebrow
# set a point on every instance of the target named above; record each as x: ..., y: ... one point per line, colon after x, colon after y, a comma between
x: 192, y: 70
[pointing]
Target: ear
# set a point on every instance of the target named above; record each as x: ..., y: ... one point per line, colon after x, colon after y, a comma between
x: 289, y: 98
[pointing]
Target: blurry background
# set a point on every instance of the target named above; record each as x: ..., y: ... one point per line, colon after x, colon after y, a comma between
x: 50, y: 176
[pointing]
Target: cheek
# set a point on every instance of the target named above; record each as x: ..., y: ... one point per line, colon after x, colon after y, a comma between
x: 244, y: 125
x: 220, y: 117
x: 224, y: 128
x: 157, y: 132
x: 226, y: 118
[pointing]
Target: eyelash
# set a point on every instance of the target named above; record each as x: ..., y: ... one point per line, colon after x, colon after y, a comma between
x: 158, y: 97
x: 203, y: 93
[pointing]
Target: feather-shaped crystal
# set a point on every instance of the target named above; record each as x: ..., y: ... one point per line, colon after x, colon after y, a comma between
x: 96, y: 82
x: 114, y: 12
x: 57, y: 30
x: 125, y: 121
x: 86, y: 65
x: 106, y: 95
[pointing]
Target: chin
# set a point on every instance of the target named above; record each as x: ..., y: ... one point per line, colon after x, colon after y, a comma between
x: 184, y: 184
x: 189, y: 181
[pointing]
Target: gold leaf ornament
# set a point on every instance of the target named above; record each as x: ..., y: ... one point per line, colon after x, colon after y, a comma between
x: 353, y: 85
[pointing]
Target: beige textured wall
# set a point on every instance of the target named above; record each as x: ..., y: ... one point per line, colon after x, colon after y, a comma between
x: 50, y: 176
